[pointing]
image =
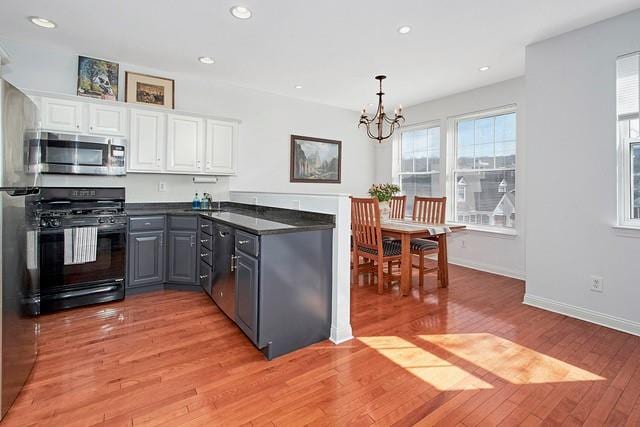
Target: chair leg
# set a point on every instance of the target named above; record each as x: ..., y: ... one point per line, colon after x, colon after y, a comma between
x: 371, y: 265
x: 421, y: 270
x: 380, y: 277
x: 356, y: 269
x: 390, y: 267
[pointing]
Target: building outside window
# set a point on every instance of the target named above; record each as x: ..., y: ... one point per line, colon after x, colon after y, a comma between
x: 484, y: 147
x: 419, y: 162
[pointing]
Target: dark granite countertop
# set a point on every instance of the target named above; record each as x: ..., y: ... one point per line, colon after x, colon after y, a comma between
x: 253, y: 219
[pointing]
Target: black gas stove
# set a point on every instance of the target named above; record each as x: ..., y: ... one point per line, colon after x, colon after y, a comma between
x: 82, y: 245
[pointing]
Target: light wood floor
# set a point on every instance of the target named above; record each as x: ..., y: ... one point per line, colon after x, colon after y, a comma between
x: 469, y: 355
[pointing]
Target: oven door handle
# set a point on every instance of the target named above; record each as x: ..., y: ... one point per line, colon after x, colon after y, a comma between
x: 117, y: 227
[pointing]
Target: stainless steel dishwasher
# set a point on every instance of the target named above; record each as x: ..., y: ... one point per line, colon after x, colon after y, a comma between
x: 223, y: 289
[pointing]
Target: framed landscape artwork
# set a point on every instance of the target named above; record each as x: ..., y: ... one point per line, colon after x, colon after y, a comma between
x: 149, y: 90
x: 97, y: 78
x: 315, y: 159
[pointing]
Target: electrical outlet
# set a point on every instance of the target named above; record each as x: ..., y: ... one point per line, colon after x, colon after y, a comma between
x: 597, y: 284
x: 162, y: 186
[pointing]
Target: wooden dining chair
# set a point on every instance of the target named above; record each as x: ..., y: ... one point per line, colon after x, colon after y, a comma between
x: 368, y: 243
x: 431, y: 210
x: 398, y: 204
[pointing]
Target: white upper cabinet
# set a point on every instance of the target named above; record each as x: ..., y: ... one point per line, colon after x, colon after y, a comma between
x: 220, y: 147
x: 185, y: 143
x: 158, y: 141
x: 147, y: 141
x: 107, y: 120
x: 62, y: 115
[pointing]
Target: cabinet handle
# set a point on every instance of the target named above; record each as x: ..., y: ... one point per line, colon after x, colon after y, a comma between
x: 234, y: 265
x: 204, y: 240
x: 243, y: 242
x: 204, y: 277
x: 77, y: 126
x: 192, y: 240
x: 90, y: 127
x: 204, y: 255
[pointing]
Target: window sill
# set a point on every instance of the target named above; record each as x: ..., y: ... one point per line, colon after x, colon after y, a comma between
x: 627, y: 230
x: 496, y: 231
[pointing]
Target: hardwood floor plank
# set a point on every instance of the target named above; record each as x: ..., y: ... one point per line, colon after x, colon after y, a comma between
x: 471, y: 354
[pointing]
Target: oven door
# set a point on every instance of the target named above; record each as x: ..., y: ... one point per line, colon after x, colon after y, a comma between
x: 64, y: 286
x: 72, y: 154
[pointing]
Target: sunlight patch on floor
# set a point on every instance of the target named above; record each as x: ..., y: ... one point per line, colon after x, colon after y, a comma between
x: 508, y: 360
x: 425, y: 365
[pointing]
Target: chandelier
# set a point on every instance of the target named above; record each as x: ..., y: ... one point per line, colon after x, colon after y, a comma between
x: 381, y: 126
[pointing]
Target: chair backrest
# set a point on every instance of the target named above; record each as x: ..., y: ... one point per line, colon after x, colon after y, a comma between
x: 429, y: 209
x: 397, y: 205
x: 365, y: 223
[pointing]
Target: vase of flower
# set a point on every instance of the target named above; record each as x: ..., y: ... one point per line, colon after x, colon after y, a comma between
x: 384, y: 193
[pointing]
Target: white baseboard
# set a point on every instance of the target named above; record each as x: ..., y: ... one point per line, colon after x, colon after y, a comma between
x: 488, y: 268
x: 338, y: 336
x: 587, y: 315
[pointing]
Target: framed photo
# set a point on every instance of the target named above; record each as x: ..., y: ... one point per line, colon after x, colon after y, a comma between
x: 315, y: 159
x: 149, y: 90
x: 97, y: 78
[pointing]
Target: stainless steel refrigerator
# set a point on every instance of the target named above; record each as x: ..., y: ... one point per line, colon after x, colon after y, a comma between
x: 19, y: 124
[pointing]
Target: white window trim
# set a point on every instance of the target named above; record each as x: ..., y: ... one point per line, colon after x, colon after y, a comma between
x: 397, y: 155
x: 625, y: 179
x: 451, y: 161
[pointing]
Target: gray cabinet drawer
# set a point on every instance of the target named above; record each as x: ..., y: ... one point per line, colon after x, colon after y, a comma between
x: 206, y: 226
x: 206, y: 277
x: 183, y: 223
x: 146, y: 223
x: 206, y: 241
x: 247, y: 243
x: 206, y: 255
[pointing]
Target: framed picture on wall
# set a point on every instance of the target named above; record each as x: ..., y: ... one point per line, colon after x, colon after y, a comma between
x: 149, y: 90
x: 315, y: 160
x: 97, y: 78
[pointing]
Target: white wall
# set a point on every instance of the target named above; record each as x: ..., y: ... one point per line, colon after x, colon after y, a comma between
x: 267, y: 123
x: 502, y: 254
x: 571, y: 177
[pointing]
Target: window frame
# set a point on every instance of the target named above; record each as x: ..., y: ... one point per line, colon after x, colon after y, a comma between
x: 624, y: 144
x: 452, y: 163
x: 397, y: 154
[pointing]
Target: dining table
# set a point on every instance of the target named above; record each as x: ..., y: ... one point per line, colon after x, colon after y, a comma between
x: 407, y: 229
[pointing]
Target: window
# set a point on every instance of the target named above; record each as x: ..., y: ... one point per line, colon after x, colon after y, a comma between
x: 484, y: 173
x: 628, y: 106
x: 419, y: 163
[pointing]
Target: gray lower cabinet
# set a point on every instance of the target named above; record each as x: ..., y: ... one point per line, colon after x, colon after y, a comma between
x: 247, y: 283
x: 182, y: 257
x: 146, y: 258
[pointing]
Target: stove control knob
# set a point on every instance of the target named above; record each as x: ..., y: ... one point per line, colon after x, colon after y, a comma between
x: 102, y: 220
x: 112, y: 220
x: 44, y: 223
x: 55, y: 222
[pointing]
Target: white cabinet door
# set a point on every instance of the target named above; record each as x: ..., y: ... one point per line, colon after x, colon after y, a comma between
x: 62, y: 115
x: 185, y: 141
x: 107, y: 120
x: 147, y: 141
x: 220, y: 151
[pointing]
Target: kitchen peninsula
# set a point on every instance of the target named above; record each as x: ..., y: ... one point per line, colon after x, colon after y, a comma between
x: 269, y: 269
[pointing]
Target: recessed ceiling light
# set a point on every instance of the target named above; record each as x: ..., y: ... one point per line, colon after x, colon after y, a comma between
x: 41, y: 22
x: 241, y: 12
x: 298, y: 86
x: 485, y: 68
x: 206, y: 60
x: 405, y: 29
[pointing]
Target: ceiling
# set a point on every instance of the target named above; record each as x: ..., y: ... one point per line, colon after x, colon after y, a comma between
x: 333, y: 48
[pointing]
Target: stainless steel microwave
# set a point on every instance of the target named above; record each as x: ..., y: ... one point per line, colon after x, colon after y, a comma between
x: 78, y: 154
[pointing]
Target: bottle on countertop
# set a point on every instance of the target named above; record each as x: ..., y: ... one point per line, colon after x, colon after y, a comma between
x: 204, y: 203
x: 196, y: 202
